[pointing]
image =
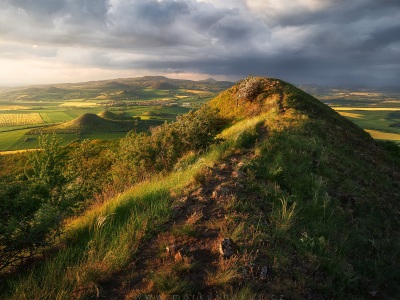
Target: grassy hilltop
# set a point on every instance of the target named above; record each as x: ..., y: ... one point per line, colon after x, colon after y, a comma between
x: 307, y: 201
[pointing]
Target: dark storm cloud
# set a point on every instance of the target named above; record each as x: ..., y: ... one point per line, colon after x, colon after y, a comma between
x: 303, y: 41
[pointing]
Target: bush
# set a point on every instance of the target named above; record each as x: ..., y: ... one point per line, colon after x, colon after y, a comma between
x: 28, y: 223
x: 142, y: 155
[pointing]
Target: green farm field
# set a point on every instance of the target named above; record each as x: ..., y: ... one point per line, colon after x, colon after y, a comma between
x: 145, y: 101
x: 382, y: 124
x: 375, y: 111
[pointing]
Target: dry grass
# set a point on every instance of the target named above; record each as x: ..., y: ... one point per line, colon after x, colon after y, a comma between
x: 227, y: 272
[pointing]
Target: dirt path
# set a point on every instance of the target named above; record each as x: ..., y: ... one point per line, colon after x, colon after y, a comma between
x: 188, y: 248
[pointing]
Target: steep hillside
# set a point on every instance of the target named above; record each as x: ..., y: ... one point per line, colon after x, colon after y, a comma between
x: 292, y: 201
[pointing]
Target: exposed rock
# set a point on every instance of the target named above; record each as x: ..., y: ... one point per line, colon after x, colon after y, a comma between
x: 220, y: 191
x: 171, y: 250
x: 223, y: 167
x: 237, y: 174
x: 178, y: 256
x: 264, y: 273
x: 227, y: 247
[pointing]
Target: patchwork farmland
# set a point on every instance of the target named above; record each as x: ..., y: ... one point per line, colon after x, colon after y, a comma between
x: 135, y: 104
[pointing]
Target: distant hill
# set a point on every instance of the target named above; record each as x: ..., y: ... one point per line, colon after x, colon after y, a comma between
x: 53, y: 89
x: 93, y: 89
x: 114, y: 85
x: 164, y: 86
x: 112, y: 116
x: 92, y: 123
x: 208, y: 80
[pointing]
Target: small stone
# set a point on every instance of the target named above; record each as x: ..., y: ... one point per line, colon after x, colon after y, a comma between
x: 227, y: 247
x: 264, y: 273
x: 223, y: 167
x: 178, y: 256
x: 220, y: 191
x: 237, y: 174
x: 171, y: 250
x: 375, y: 294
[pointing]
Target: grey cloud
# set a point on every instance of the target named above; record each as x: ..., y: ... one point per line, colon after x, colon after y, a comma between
x: 40, y: 8
x: 383, y: 38
x: 345, y: 42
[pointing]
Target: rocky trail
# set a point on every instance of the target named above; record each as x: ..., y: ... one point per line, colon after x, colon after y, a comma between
x: 193, y: 242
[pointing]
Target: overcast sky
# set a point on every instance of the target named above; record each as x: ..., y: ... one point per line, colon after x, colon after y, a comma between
x: 330, y: 42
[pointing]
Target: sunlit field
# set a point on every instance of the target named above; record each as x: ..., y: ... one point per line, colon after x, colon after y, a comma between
x: 339, y: 108
x: 351, y: 115
x: 20, y: 119
x: 379, y: 135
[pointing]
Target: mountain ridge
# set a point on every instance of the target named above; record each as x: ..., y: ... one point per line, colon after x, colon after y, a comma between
x: 306, y: 200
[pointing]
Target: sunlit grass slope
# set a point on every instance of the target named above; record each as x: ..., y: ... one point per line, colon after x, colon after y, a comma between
x: 317, y: 206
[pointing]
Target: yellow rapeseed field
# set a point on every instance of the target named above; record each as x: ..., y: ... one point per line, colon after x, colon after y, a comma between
x: 78, y: 104
x: 351, y: 115
x: 13, y: 107
x: 379, y: 135
x: 366, y: 108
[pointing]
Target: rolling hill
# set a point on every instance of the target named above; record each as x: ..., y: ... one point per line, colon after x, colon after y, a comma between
x: 92, y: 123
x: 93, y: 89
x: 113, y: 116
x: 292, y: 201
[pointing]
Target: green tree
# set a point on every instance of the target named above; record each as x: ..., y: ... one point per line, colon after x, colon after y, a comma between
x: 47, y: 168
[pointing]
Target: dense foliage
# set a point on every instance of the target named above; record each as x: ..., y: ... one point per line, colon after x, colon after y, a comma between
x: 142, y: 155
x: 62, y: 181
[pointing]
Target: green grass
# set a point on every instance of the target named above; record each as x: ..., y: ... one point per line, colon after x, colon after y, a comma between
x: 106, y: 238
x: 55, y: 116
x: 11, y: 138
x: 98, y: 244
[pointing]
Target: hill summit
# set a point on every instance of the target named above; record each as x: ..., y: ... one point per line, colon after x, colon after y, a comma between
x: 290, y: 201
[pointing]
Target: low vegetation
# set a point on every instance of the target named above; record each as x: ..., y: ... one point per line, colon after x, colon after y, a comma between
x: 307, y: 201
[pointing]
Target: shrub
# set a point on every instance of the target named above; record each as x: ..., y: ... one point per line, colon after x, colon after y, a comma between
x: 27, y: 222
x: 145, y: 154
